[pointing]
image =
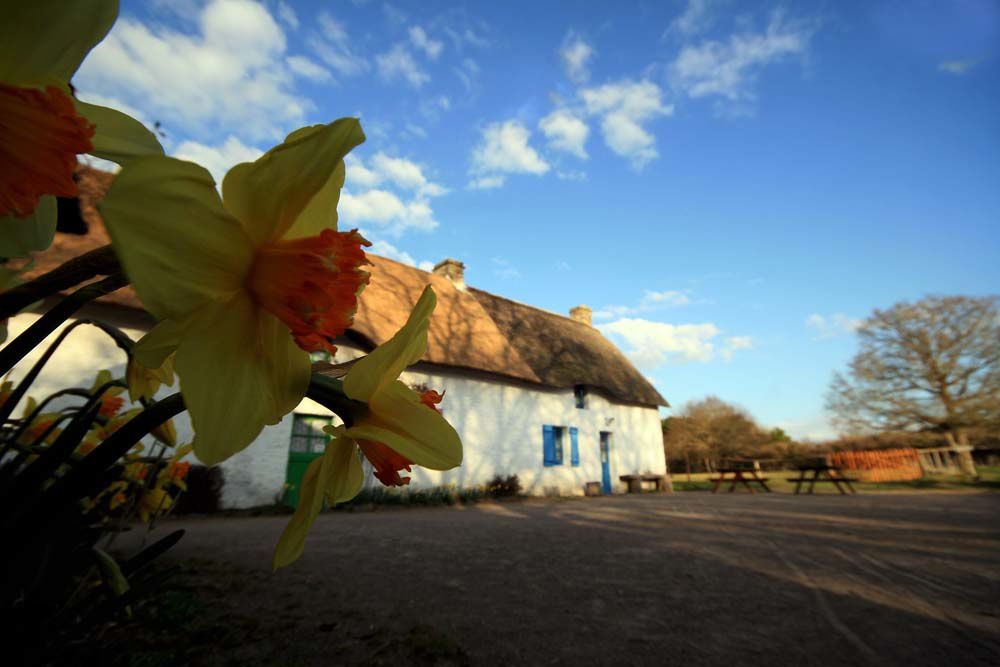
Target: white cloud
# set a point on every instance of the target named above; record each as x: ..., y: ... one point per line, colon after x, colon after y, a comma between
x: 575, y: 53
x: 625, y: 107
x: 652, y: 344
x: 571, y: 175
x: 400, y: 172
x: 358, y: 175
x: 217, y: 159
x: 957, y: 67
x: 666, y: 297
x: 832, y: 325
x: 386, y: 211
x: 504, y: 149
x: 468, y: 74
x: 734, y: 343
x: 287, y: 15
x: 416, y: 131
x: 398, y: 63
x: 815, y: 427
x: 504, y: 269
x: 651, y: 301
x: 565, y: 132
x: 729, y: 69
x: 487, y: 182
x: 389, y: 194
x: 307, y: 68
x: 333, y: 45
x: 432, y: 107
x: 696, y: 18
x: 431, y: 47
x: 405, y: 174
x: 386, y: 249
x: 230, y: 73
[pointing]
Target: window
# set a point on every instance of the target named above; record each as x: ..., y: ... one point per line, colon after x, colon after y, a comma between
x: 574, y: 446
x: 320, y: 355
x: 580, y: 394
x: 307, y: 434
x: 552, y: 445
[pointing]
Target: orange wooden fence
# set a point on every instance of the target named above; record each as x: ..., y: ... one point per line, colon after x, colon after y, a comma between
x: 881, y: 465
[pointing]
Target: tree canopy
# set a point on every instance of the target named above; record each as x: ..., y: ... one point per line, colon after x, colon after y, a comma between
x: 929, y: 365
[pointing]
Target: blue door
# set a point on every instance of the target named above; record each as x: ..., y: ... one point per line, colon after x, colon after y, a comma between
x: 605, y: 462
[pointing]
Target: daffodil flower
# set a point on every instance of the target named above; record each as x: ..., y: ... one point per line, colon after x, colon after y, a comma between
x: 143, y: 382
x: 245, y: 286
x: 42, y: 128
x: 400, y: 428
x: 111, y: 400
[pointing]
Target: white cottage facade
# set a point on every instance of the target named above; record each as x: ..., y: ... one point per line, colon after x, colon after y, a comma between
x: 531, y: 393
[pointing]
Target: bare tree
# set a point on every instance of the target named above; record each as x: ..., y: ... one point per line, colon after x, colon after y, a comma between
x: 709, y: 430
x: 929, y: 365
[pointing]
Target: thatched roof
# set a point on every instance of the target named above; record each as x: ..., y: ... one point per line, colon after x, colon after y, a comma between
x: 471, y: 329
x: 564, y: 352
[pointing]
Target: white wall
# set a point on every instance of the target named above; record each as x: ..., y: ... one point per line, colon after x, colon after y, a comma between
x: 500, y: 424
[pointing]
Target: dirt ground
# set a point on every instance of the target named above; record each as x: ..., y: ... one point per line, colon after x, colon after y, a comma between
x: 693, y: 578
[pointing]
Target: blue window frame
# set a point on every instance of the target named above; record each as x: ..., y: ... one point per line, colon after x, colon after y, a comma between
x: 574, y: 446
x: 552, y: 445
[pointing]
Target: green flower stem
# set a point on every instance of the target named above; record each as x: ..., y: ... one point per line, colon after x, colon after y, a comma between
x: 83, y: 393
x: 49, y: 322
x: 99, y: 262
x: 329, y: 393
x: 86, y: 478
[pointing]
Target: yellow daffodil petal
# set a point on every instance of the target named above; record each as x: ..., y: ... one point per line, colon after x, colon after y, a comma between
x: 343, y: 476
x: 321, y: 211
x: 237, y: 373
x: 384, y: 364
x: 21, y: 236
x: 44, y: 41
x: 162, y: 340
x: 338, y: 476
x: 398, y: 419
x: 166, y: 433
x: 179, y: 246
x: 143, y: 382
x: 181, y: 452
x: 288, y: 366
x: 102, y: 378
x: 119, y: 137
x: 293, y: 538
x: 268, y: 195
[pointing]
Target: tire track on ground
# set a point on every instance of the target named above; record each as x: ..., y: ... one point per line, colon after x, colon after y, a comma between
x: 821, y: 604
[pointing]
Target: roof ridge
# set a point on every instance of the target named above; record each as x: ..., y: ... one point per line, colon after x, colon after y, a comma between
x: 538, y: 308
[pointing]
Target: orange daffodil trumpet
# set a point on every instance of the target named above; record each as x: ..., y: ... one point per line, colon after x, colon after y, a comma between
x: 400, y: 428
x: 42, y: 128
x: 243, y: 286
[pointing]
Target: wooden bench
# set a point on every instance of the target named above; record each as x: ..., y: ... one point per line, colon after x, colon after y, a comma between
x: 740, y: 475
x: 822, y: 473
x: 661, y: 482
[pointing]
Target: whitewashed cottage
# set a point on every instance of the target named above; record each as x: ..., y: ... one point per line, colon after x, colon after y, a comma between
x: 532, y: 393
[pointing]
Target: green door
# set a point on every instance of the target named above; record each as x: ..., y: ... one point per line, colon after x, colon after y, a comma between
x: 308, y: 444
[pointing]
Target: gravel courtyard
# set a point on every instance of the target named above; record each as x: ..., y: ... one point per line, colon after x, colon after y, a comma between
x: 685, y: 579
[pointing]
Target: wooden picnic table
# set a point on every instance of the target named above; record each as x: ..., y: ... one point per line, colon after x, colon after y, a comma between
x: 741, y: 474
x: 822, y: 472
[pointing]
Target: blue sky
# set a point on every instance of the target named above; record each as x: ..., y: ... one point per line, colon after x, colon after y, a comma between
x: 730, y: 185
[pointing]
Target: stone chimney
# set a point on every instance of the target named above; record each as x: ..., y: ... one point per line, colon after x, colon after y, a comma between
x: 582, y: 314
x: 453, y: 270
